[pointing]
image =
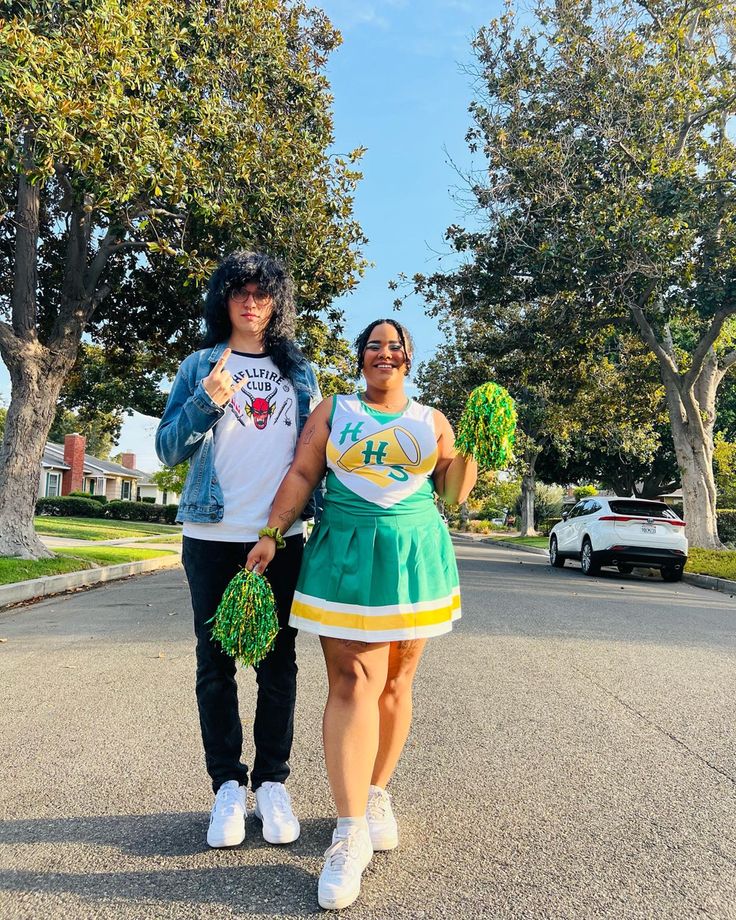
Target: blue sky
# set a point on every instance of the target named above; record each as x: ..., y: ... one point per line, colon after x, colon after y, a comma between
x: 401, y: 91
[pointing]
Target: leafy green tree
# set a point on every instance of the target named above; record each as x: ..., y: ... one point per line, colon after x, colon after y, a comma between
x: 725, y: 467
x: 584, y: 492
x: 171, y: 478
x: 139, y: 143
x: 609, y: 194
x: 101, y: 429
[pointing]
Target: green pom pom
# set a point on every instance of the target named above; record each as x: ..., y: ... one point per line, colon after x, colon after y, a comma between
x: 487, y: 427
x: 245, y: 623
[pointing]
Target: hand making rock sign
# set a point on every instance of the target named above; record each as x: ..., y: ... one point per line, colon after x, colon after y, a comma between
x: 219, y: 383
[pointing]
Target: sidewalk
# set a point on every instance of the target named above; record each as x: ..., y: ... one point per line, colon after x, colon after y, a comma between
x: 36, y: 588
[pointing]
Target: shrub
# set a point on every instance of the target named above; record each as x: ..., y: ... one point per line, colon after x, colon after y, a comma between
x: 149, y: 500
x: 547, y: 524
x: 142, y: 511
x: 586, y: 491
x: 101, y: 499
x: 69, y: 506
x: 134, y: 511
x: 727, y: 524
x: 480, y: 526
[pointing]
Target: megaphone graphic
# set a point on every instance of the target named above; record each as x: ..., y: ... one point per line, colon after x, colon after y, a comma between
x: 389, y: 447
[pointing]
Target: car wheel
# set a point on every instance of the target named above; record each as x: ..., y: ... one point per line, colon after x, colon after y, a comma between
x: 587, y: 563
x: 624, y: 568
x: 555, y: 559
x: 669, y: 574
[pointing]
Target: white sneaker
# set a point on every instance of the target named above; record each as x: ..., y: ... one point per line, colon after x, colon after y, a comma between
x: 381, y: 821
x: 227, y: 821
x: 273, y: 808
x: 339, y: 883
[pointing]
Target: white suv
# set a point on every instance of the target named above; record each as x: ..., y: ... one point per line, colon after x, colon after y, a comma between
x: 625, y: 532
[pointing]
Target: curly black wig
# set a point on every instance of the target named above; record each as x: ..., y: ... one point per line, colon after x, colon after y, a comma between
x: 405, y: 338
x: 237, y: 270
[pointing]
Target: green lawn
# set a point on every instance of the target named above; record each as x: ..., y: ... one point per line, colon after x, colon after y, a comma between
x: 527, y: 541
x: 718, y: 562
x: 72, y: 559
x: 98, y: 529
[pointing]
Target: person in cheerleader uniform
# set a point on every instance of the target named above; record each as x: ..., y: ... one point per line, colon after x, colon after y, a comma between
x: 379, y: 578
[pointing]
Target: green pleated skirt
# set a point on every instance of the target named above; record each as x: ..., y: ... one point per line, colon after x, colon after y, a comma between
x: 378, y: 577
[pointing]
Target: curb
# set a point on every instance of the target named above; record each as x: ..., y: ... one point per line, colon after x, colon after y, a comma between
x: 521, y: 547
x: 710, y: 582
x: 37, y: 588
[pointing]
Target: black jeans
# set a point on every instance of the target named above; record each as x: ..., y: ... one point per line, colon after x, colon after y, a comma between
x: 209, y: 566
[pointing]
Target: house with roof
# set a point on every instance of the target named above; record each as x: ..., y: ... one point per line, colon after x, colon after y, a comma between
x: 67, y: 468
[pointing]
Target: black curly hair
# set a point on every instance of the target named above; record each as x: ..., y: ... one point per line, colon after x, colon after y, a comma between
x: 407, y: 343
x: 237, y: 270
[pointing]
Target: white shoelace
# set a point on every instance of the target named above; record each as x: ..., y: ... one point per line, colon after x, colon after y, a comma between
x: 341, y: 852
x: 280, y: 799
x: 228, y: 800
x: 378, y: 807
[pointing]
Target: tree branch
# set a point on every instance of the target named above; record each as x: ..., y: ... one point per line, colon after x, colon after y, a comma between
x: 695, y: 117
x: 25, y: 274
x: 107, y: 246
x: 727, y: 363
x: 650, y: 336
x: 67, y: 202
x: 704, y: 346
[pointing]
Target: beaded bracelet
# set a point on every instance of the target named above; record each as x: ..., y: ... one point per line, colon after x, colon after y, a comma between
x: 275, y: 535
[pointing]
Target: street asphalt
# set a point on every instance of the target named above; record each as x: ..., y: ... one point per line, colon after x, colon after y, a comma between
x: 573, y: 755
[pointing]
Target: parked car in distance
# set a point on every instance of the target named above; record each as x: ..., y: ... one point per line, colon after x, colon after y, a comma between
x: 622, y: 532
x: 499, y: 522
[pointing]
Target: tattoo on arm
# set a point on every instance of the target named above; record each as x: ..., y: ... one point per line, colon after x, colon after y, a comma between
x: 287, y: 518
x: 308, y: 435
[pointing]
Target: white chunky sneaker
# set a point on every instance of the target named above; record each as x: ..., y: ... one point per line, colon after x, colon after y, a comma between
x: 227, y: 821
x: 381, y: 821
x: 339, y: 883
x: 273, y: 808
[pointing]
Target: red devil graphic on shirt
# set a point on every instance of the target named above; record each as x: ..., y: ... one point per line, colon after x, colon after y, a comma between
x: 259, y: 409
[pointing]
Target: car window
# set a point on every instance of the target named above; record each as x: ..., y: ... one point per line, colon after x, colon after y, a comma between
x: 642, y: 508
x: 575, y: 511
x: 590, y: 506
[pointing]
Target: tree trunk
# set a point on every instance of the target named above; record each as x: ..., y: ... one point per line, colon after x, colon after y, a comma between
x: 692, y: 415
x: 36, y: 377
x: 464, y: 516
x: 528, y: 488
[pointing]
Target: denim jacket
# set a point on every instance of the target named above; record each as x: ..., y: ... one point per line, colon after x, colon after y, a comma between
x: 185, y: 432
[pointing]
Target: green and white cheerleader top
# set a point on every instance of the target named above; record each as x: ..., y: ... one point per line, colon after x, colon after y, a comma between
x: 379, y: 565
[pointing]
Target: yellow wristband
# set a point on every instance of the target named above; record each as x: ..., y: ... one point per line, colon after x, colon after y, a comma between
x: 275, y: 535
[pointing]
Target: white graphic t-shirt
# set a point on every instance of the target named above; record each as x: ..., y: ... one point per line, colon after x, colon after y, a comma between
x: 254, y: 447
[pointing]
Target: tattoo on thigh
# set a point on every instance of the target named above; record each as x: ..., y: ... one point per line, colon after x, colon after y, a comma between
x: 408, y: 648
x: 353, y: 644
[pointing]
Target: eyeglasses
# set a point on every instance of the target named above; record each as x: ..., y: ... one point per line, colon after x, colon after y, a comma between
x: 240, y: 295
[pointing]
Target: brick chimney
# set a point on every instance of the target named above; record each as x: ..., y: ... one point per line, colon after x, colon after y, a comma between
x: 128, y: 461
x: 73, y: 479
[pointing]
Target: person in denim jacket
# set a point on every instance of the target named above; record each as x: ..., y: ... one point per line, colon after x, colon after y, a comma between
x: 235, y: 412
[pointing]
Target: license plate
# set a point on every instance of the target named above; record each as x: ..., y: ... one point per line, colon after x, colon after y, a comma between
x: 645, y: 529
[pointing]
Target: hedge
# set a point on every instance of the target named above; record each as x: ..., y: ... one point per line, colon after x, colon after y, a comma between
x: 141, y: 511
x: 547, y: 524
x: 69, y: 506
x: 727, y: 524
x: 102, y: 499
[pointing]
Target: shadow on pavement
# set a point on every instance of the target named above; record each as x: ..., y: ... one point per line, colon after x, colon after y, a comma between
x: 166, y: 835
x: 268, y: 890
